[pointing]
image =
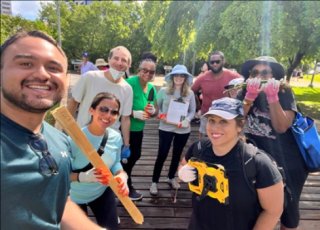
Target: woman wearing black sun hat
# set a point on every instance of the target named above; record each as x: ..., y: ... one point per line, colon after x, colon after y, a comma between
x: 270, y: 109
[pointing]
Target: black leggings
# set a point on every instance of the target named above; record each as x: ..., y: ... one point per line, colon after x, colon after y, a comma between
x: 165, y: 139
x: 105, y: 210
x: 135, y: 148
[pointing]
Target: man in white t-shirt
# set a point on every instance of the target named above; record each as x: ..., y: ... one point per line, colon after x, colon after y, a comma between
x: 94, y: 82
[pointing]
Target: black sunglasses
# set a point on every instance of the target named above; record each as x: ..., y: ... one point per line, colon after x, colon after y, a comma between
x: 47, y: 164
x: 215, y: 61
x: 179, y: 75
x: 145, y: 71
x: 105, y: 109
x: 264, y: 73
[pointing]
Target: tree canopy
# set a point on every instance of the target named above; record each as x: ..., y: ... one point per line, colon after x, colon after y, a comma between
x: 184, y: 31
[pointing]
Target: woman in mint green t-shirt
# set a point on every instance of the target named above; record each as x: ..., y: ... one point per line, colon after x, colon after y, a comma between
x: 88, y: 187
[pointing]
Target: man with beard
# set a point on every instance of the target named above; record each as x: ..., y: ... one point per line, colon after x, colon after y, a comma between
x: 270, y: 108
x: 211, y: 84
x: 35, y: 163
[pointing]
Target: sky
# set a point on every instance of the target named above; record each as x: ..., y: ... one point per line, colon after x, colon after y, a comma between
x: 26, y: 9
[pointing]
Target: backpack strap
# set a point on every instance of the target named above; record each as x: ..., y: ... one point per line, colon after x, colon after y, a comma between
x: 103, y: 143
x: 248, y: 153
x: 100, y: 151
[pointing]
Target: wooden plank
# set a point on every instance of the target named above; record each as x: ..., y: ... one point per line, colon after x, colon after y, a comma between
x: 161, y: 213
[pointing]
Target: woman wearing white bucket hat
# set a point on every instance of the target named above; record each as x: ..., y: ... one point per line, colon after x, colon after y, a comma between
x: 178, y: 87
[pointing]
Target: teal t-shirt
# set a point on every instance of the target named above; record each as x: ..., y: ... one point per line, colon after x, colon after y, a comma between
x: 140, y: 100
x: 82, y: 193
x: 29, y: 199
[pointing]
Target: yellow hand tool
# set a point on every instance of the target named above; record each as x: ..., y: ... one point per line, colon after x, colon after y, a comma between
x: 211, y: 181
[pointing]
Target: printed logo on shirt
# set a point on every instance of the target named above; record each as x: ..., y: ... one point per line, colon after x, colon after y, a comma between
x: 64, y: 154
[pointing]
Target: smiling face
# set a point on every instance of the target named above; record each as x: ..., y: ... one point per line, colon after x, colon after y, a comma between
x: 222, y: 133
x: 179, y: 79
x: 33, y: 75
x: 105, y: 113
x: 120, y: 59
x: 147, y: 70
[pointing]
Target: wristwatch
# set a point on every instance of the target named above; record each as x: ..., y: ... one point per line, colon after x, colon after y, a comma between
x: 246, y: 102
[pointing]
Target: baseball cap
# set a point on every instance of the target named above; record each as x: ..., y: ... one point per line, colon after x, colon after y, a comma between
x: 226, y: 107
x: 85, y: 54
x: 234, y: 82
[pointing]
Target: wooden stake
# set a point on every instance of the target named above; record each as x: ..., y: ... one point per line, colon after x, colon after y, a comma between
x: 62, y: 115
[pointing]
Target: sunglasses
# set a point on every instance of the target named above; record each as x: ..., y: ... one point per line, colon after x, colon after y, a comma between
x: 264, y: 73
x: 215, y: 61
x: 105, y: 109
x: 47, y: 164
x: 145, y: 71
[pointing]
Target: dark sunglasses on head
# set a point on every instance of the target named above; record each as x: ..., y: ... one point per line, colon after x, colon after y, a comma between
x: 47, y: 164
x: 264, y: 73
x: 145, y: 71
x: 215, y: 61
x: 105, y: 109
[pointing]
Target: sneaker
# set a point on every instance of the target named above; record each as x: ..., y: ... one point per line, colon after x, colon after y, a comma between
x: 154, y: 189
x: 134, y: 195
x: 173, y: 183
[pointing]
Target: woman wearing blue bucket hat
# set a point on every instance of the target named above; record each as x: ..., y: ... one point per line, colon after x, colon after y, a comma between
x: 178, y: 88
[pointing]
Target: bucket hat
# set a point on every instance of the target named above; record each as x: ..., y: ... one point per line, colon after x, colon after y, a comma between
x: 179, y: 69
x: 226, y: 107
x: 277, y: 68
x: 101, y: 62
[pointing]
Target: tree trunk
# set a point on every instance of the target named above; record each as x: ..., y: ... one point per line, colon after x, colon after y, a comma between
x: 293, y: 63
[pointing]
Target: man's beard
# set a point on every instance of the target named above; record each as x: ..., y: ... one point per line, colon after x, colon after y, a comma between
x: 23, y: 103
x: 215, y: 70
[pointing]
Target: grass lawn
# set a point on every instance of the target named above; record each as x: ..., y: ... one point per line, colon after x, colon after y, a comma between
x: 308, y: 100
x: 309, y: 76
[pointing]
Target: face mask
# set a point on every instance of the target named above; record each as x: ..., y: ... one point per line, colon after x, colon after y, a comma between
x: 115, y: 73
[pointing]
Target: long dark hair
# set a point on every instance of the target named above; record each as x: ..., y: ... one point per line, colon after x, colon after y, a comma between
x: 101, y: 96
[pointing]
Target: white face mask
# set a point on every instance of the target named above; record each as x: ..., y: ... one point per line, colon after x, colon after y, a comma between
x: 115, y: 73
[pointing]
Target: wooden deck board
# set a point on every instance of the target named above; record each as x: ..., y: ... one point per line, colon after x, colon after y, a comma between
x: 161, y: 213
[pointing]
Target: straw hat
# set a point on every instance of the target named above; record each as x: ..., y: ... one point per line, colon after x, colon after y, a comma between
x: 101, y: 62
